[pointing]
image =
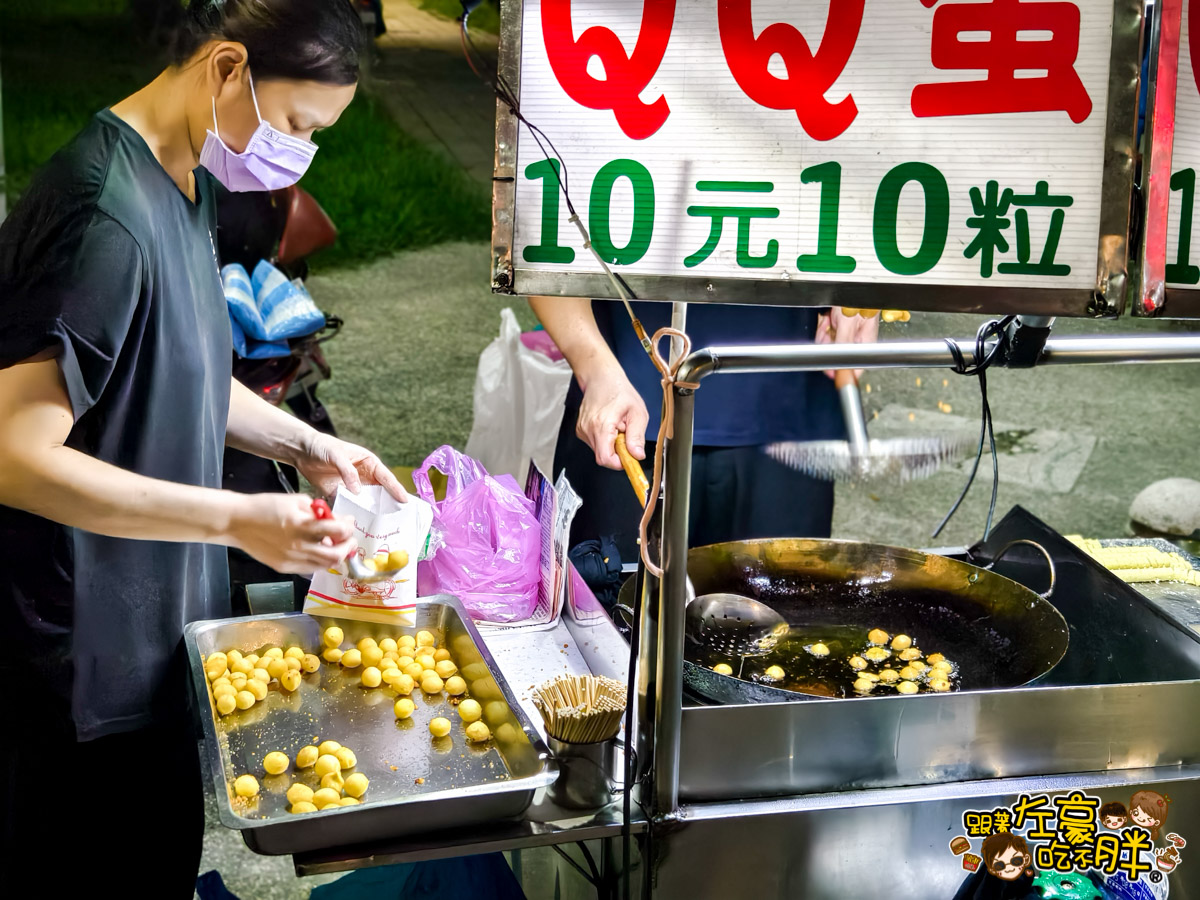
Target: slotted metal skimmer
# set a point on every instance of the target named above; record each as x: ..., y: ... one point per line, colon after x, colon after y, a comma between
x: 733, y: 625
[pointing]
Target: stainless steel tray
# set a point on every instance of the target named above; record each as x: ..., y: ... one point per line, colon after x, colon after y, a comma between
x: 463, y: 784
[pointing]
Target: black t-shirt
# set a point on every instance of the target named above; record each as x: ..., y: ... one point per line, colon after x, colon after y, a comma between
x: 106, y: 262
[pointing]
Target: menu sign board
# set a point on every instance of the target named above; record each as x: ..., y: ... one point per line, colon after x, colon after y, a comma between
x: 936, y: 153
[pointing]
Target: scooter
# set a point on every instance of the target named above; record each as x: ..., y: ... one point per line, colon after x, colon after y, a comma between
x: 284, y: 227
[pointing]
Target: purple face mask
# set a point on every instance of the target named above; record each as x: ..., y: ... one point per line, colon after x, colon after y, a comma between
x: 270, y: 161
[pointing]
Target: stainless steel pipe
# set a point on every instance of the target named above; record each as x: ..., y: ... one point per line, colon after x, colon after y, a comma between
x: 664, y: 672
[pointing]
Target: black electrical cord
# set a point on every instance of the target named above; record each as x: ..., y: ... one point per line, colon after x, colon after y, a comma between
x: 983, y: 358
x: 591, y: 862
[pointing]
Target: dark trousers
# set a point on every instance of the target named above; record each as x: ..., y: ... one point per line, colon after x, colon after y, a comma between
x: 120, y: 815
x: 738, y: 493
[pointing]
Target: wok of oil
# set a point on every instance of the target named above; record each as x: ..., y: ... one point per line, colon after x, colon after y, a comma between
x: 825, y: 676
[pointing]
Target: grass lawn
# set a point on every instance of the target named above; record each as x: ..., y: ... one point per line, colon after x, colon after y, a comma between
x: 485, y: 17
x: 63, y: 60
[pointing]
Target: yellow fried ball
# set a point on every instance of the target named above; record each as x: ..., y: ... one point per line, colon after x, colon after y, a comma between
x: 439, y: 727
x: 936, y: 658
x: 251, y: 658
x: 907, y: 687
x: 939, y: 684
x: 819, y: 649
x: 332, y: 655
x: 274, y: 653
x: 404, y: 684
x: 371, y: 677
x: 372, y: 656
x: 942, y: 665
x: 397, y: 559
x: 404, y: 708
x: 910, y: 654
x: 224, y: 690
x: 441, y: 654
x: 406, y: 640
x: 349, y: 801
x: 352, y: 659
x: 908, y: 673
x: 325, y: 764
x: 388, y: 663
x: 246, y: 786
x: 364, y: 643
x: 878, y: 636
x: 244, y: 700
x: 290, y: 681
x: 404, y: 662
x: 876, y: 654
x: 238, y: 680
x: 858, y: 663
x: 425, y: 639
x: 306, y: 757
x: 426, y: 662
x: 293, y: 653
x: 326, y: 796
x: 356, y: 784
x: 299, y: 793
x: 478, y: 732
x: 864, y: 685
x: 329, y: 747
x: 233, y: 656
x: 414, y: 671
x: 304, y: 806
x: 469, y: 710
x: 775, y: 673
x: 224, y: 679
x: 260, y: 674
x: 275, y: 763
x: 869, y: 676
x: 431, y: 684
x: 310, y: 662
x: 889, y: 676
x: 346, y: 758
x: 257, y: 689
x: 455, y: 686
x: 445, y: 668
x: 276, y: 668
x: 901, y: 642
x: 228, y: 703
x: 244, y: 666
x: 333, y: 636
x: 333, y: 780
x: 387, y: 644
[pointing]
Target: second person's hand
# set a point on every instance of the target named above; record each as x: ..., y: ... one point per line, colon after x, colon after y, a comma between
x: 281, y: 531
x: 611, y: 406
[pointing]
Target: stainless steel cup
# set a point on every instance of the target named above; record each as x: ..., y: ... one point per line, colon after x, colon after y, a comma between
x: 585, y: 774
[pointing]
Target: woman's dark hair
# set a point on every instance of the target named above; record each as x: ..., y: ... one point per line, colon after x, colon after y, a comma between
x: 306, y: 40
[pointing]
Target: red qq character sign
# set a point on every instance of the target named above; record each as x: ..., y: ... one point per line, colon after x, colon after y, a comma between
x: 626, y: 76
x: 809, y: 75
x: 1002, y: 55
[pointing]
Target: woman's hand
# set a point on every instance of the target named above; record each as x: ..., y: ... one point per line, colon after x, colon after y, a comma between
x: 835, y: 327
x: 328, y: 462
x: 281, y: 531
x: 611, y: 406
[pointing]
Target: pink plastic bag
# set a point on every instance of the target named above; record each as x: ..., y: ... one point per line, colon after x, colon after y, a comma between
x: 486, y: 542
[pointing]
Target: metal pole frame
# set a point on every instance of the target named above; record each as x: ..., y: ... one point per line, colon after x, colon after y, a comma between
x: 661, y: 675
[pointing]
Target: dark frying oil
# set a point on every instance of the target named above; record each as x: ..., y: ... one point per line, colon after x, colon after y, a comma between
x: 828, y: 676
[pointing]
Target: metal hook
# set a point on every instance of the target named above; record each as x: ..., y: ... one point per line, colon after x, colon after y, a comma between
x: 1045, y: 595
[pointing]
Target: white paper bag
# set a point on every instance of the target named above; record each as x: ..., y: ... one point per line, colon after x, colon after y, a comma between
x: 519, y: 398
x: 382, y: 524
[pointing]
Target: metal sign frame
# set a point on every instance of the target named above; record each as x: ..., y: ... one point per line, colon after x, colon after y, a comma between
x: 1105, y: 299
x: 1151, y: 297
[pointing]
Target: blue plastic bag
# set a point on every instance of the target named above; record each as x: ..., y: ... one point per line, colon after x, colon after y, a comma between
x: 267, y: 309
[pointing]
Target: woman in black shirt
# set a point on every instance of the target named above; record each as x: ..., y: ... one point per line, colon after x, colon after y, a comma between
x: 116, y: 404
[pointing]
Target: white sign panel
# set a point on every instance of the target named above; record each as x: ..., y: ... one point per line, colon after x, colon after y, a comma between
x: 951, y: 142
x: 1183, y: 265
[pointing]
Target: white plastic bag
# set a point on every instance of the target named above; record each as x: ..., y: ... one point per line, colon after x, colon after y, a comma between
x: 519, y: 398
